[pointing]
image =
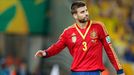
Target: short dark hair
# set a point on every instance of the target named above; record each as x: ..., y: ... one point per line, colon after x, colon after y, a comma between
x: 76, y: 5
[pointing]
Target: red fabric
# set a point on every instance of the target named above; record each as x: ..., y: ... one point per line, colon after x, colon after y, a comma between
x: 88, y: 60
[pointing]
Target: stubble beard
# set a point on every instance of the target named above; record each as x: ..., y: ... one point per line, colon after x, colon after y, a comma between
x: 84, y: 20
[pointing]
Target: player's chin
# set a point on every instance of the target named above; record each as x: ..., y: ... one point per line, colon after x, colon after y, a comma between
x: 86, y: 19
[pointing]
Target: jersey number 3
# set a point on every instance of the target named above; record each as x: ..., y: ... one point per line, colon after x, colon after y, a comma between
x: 84, y: 46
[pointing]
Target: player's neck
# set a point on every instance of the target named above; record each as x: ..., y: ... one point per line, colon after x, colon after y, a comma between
x: 81, y: 25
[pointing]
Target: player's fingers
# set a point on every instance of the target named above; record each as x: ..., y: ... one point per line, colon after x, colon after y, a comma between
x: 37, y: 53
x: 42, y: 53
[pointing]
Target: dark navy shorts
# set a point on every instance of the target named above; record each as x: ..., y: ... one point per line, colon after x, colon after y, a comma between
x: 86, y: 73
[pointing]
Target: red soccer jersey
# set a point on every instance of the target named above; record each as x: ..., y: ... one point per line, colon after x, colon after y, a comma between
x: 85, y: 46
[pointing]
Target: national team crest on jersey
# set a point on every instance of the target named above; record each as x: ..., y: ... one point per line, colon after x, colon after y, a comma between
x: 74, y: 38
x: 93, y: 36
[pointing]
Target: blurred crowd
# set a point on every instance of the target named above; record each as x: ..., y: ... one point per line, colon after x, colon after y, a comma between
x: 10, y: 65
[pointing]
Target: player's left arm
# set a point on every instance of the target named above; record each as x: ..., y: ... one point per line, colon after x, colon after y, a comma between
x: 106, y: 41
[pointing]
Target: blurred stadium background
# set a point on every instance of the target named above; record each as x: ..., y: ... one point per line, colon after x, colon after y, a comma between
x: 29, y: 25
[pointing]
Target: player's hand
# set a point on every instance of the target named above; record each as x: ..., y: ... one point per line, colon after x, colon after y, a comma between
x: 40, y: 53
x: 122, y: 74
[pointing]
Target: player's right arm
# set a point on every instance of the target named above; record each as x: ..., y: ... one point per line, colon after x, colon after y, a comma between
x: 53, y: 49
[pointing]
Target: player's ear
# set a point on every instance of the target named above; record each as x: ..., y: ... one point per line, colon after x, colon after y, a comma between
x: 75, y: 16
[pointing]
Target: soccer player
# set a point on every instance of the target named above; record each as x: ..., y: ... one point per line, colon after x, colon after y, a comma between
x: 85, y: 40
